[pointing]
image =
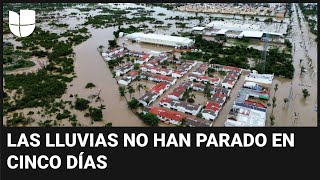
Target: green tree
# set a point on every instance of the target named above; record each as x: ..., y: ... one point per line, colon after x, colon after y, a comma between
x: 305, y: 93
x: 112, y: 44
x: 272, y: 118
x: 81, y: 104
x: 95, y: 114
x: 285, y: 100
x: 113, y: 74
x: 183, y: 122
x: 131, y: 90
x: 136, y: 66
x: 122, y: 91
x: 150, y: 119
x: 133, y: 104
x: 139, y: 87
x: 90, y: 85
x: 109, y: 124
x: 276, y: 88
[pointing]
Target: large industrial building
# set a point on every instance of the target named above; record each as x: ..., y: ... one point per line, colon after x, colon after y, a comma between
x: 242, y: 30
x: 160, y: 39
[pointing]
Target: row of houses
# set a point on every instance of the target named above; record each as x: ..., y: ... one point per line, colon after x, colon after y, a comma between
x: 157, y: 78
x: 204, y: 79
x: 213, y: 89
x: 185, y: 107
x: 213, y: 106
x: 121, y: 70
x: 178, y: 92
x: 230, y: 80
x: 183, y: 68
x: 219, y: 67
x: 128, y: 78
x: 156, y: 70
x: 114, y: 53
x: 154, y: 93
x: 201, y: 70
x: 175, y: 117
x: 156, y: 60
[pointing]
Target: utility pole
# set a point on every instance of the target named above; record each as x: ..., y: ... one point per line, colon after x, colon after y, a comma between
x: 264, y: 52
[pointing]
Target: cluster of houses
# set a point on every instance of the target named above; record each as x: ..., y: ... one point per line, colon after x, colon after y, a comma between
x: 114, y: 53
x: 218, y: 94
x: 147, y: 63
x: 231, y: 77
x: 249, y: 108
x: 245, y: 110
x: 183, y: 69
x: 150, y: 97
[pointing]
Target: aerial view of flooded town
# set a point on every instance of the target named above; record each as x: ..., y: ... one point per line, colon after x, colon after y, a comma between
x: 162, y: 64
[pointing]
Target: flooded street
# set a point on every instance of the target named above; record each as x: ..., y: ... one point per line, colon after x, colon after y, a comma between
x: 89, y: 67
x: 299, y: 111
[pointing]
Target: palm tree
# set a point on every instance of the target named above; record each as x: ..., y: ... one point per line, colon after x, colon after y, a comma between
x: 102, y: 106
x: 139, y: 87
x: 192, y: 96
x: 130, y: 90
x: 276, y: 88
x: 285, y: 100
x: 207, y: 91
x: 305, y: 93
x: 272, y: 119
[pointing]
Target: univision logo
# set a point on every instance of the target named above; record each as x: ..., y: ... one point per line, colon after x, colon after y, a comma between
x: 22, y: 25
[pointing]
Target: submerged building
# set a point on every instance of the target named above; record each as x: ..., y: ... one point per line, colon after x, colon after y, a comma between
x: 161, y: 39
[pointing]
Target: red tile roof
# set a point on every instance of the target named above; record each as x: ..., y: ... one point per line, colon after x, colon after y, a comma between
x: 133, y: 73
x: 178, y: 91
x: 219, y: 95
x: 165, y: 99
x: 212, y: 106
x: 158, y: 87
x: 232, y: 68
x: 257, y: 104
x: 173, y: 115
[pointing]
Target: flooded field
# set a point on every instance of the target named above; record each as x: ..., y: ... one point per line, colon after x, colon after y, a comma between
x: 90, y: 67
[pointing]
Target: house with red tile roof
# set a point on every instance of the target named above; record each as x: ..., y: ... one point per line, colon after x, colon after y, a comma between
x: 185, y: 107
x: 155, y: 92
x: 128, y: 78
x: 167, y: 116
x: 211, y: 111
x: 143, y: 58
x: 177, y: 93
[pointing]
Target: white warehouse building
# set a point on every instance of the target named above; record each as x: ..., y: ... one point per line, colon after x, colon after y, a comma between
x: 161, y: 39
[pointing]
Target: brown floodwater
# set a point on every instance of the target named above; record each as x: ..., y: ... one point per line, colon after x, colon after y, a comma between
x: 299, y: 111
x: 89, y: 67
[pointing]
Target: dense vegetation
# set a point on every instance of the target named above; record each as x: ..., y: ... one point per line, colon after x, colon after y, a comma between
x: 81, y: 104
x: 278, y: 62
x: 149, y: 119
x: 310, y: 11
x: 39, y: 89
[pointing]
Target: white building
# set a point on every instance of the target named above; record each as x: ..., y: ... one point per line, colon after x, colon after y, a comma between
x: 261, y: 79
x: 245, y: 117
x: 160, y: 39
